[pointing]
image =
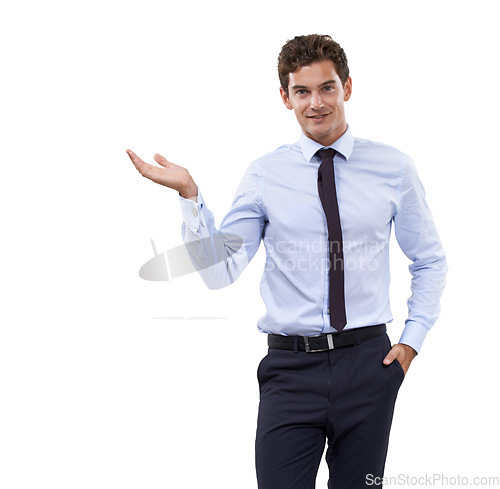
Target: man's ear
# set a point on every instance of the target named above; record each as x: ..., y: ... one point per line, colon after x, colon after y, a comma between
x: 347, y: 89
x: 285, y: 99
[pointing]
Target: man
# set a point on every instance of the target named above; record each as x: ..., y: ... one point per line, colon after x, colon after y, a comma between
x: 324, y: 208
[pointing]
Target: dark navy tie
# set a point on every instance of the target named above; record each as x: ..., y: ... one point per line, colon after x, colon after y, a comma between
x: 328, y: 196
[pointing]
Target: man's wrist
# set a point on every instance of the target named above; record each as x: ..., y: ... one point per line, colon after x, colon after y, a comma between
x: 410, y: 349
x: 190, y: 191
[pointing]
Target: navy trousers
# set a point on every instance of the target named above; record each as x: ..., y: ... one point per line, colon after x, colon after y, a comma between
x: 345, y: 396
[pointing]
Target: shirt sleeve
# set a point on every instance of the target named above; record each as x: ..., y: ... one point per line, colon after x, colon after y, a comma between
x: 220, y: 255
x: 418, y: 238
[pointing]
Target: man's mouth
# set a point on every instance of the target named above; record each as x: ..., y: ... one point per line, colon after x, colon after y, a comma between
x: 317, y: 117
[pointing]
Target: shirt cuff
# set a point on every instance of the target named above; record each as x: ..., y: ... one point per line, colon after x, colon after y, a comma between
x: 190, y: 211
x: 413, y: 335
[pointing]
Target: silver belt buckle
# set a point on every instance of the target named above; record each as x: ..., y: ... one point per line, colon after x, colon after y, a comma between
x: 329, y: 339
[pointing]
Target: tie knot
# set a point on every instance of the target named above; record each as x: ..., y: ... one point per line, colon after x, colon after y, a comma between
x: 326, y: 153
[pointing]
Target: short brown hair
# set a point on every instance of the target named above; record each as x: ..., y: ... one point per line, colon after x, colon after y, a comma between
x: 305, y: 50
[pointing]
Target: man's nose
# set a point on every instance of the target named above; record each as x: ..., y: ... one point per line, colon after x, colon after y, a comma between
x: 316, y: 102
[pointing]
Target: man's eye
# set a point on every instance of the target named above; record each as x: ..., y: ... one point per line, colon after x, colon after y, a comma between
x: 301, y: 92
x: 328, y: 88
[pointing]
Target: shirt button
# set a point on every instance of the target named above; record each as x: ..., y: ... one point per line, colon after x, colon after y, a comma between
x: 328, y: 311
x: 195, y: 212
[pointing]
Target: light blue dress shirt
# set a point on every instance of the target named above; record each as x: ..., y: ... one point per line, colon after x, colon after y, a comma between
x: 277, y: 202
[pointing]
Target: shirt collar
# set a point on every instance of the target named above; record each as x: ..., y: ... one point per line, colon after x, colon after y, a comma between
x: 343, y: 145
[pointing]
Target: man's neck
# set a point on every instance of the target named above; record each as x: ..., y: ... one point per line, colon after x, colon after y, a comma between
x: 330, y: 138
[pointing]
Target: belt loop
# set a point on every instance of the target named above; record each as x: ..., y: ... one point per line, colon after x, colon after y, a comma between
x: 296, y: 344
x: 358, y: 340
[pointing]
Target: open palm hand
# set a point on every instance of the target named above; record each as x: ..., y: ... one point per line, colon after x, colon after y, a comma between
x: 169, y: 174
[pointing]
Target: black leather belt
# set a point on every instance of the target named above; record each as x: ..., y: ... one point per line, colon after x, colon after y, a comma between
x: 325, y: 341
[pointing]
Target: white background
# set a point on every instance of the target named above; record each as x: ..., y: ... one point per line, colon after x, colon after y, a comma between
x: 100, y: 385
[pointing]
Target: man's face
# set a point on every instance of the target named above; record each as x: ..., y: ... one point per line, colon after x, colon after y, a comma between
x: 316, y: 95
